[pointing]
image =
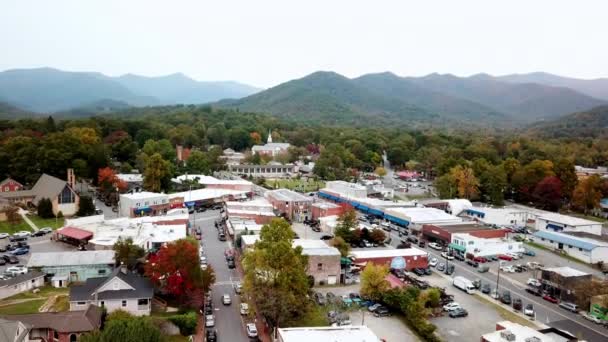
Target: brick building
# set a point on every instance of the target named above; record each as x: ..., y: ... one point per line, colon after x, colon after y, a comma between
x: 323, y: 261
x: 324, y: 209
x: 414, y: 257
x: 442, y: 233
x: 290, y: 204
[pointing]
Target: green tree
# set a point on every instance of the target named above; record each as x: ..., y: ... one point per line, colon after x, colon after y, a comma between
x: 373, y: 282
x: 587, y: 194
x: 347, y: 222
x: 564, y: 170
x: 275, y: 275
x: 446, y: 185
x: 198, y: 163
x: 341, y: 245
x: 127, y: 253
x: 121, y: 326
x: 85, y: 206
x: 493, y: 183
x: 45, y: 208
x: 157, y: 173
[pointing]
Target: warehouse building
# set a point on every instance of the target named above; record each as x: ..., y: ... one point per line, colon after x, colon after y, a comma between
x: 415, y: 218
x: 580, y: 246
x: 442, y: 233
x: 564, y: 223
x: 324, y: 209
x: 499, y: 217
x: 473, y: 246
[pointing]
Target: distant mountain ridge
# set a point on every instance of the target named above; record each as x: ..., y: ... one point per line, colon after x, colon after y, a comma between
x: 591, y: 124
x: 53, y: 90
x: 597, y: 88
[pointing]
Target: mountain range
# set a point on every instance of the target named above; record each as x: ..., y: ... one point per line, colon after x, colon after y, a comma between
x: 589, y: 124
x: 46, y: 90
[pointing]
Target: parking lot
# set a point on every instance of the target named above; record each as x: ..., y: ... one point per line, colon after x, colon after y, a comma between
x: 37, y: 245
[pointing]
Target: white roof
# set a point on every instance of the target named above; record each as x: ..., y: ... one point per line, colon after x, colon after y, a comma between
x: 325, y: 205
x: 271, y: 147
x: 143, y: 195
x: 328, y: 334
x: 78, y: 258
x: 288, y: 196
x: 423, y: 215
x: 566, y: 271
x: 130, y: 177
x: 249, y: 240
x: 208, y: 180
x: 458, y: 205
x: 206, y: 194
x: 522, y: 333
x: 567, y: 220
x: 387, y: 253
x: 257, y: 202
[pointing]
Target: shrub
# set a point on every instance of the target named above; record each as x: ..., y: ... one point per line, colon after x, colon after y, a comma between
x: 45, y: 208
x: 186, y: 322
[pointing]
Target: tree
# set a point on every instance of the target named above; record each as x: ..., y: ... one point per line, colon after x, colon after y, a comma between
x: 121, y: 326
x: 109, y: 184
x: 157, y: 173
x: 85, y: 206
x: 127, y: 253
x: 347, y: 222
x: 377, y: 236
x: 341, y: 245
x: 380, y: 171
x: 275, y: 275
x: 45, y: 208
x: 175, y: 268
x: 373, y: 282
x: 467, y: 183
x: 493, y: 183
x: 12, y: 215
x: 548, y: 193
x: 587, y: 194
x: 446, y: 186
x: 564, y: 170
x: 199, y: 163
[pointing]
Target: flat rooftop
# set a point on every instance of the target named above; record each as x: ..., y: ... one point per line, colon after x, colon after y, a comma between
x: 328, y: 334
x: 567, y: 220
x: 422, y: 215
x: 387, y: 253
x: 522, y: 333
x: 464, y: 227
x: 288, y: 196
x: 71, y: 258
x: 325, y: 205
x: 206, y: 194
x: 566, y: 271
x: 209, y: 180
x: 143, y: 195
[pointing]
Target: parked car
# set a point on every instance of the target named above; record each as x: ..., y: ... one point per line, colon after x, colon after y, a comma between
x: 2, y: 262
x: 11, y: 259
x: 483, y: 269
x: 529, y: 252
x: 591, y: 318
x: 427, y: 271
x: 374, y: 307
x: 231, y: 264
x: 221, y: 236
x: 326, y: 237
x: 244, y: 309
x: 18, y: 269
x: 4, y: 235
x: 517, y: 304
x: 226, y: 299
x: 319, y: 298
x: 47, y: 230
x: 458, y: 313
x: 480, y: 260
x: 459, y: 256
x: 252, y: 331
x: 451, y: 306
x: 20, y: 251
x: 38, y: 233
x: 529, y: 310
x: 533, y: 282
x: 441, y: 267
x: 382, y: 312
x: 433, y: 262
x: 449, y: 269
x: 447, y: 256
x: 23, y: 233
x: 419, y: 271
x: 533, y: 265
x: 505, y: 257
x: 569, y: 306
x: 211, y: 335
x: 506, y: 298
x: 472, y: 263
x: 435, y: 245
x: 209, y: 321
x: 507, y: 269
x: 550, y: 298
x: 331, y: 297
x: 486, y: 288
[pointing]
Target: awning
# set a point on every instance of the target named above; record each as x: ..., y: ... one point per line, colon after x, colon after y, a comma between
x: 457, y: 247
x: 554, y: 227
x: 75, y: 233
x: 138, y: 211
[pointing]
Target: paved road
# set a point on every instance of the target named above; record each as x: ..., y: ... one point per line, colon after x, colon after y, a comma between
x: 228, y: 321
x: 545, y: 311
x: 37, y: 245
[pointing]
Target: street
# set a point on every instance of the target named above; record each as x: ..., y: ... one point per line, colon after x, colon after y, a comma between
x: 229, y: 323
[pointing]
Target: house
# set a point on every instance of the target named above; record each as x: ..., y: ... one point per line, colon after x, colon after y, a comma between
x: 328, y: 334
x: 9, y: 185
x: 121, y: 290
x: 270, y: 149
x: 21, y: 283
x: 323, y: 261
x: 54, y: 326
x: 65, y: 267
x: 580, y: 246
x: 143, y: 203
x: 60, y: 192
x: 290, y: 204
x: 14, y: 331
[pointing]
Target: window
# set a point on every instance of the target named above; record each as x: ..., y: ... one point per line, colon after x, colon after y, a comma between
x: 580, y: 249
x: 55, y: 334
x: 471, y: 242
x: 569, y: 246
x: 81, y: 303
x: 66, y: 196
x: 101, y: 272
x: 124, y: 303
x: 102, y: 303
x: 115, y: 285
x: 319, y: 267
x: 137, y: 204
x: 147, y: 203
x: 73, y: 338
x: 143, y: 301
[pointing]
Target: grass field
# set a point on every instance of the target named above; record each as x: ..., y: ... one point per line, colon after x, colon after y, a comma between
x: 295, y: 184
x: 5, y: 227
x: 45, y: 292
x: 28, y: 307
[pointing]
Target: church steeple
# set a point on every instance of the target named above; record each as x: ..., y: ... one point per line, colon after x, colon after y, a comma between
x: 269, y: 141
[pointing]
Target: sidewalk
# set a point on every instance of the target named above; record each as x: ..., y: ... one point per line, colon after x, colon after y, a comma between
x: 27, y: 220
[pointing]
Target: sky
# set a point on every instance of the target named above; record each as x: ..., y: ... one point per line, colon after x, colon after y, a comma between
x: 264, y: 43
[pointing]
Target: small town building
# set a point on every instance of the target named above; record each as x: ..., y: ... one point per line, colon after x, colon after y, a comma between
x: 328, y: 224
x: 585, y: 172
x: 9, y: 185
x: 324, y: 209
x: 442, y: 233
x: 414, y: 257
x: 134, y: 181
x: 415, y: 218
x: 14, y: 331
x: 564, y: 223
x: 271, y: 170
x: 237, y: 226
x: 248, y: 241
x: 21, y: 283
x: 515, y: 332
x: 290, y: 204
x: 121, y: 290
x: 72, y: 235
x: 473, y: 246
x: 348, y: 333
x: 205, y: 197
x: 210, y: 182
x: 73, y: 266
x: 499, y: 217
x: 564, y: 282
x: 53, y: 326
x: 580, y: 246
x: 259, y: 210
x: 571, y: 327
x: 143, y: 203
x: 231, y: 157
x: 323, y: 261
x: 271, y: 149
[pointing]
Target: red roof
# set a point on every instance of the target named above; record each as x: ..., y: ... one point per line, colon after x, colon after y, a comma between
x: 393, y: 281
x: 75, y: 233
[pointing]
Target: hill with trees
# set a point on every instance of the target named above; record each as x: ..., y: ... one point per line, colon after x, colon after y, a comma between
x: 587, y: 124
x: 597, y: 88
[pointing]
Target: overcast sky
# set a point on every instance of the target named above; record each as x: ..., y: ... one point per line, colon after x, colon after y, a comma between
x: 267, y: 42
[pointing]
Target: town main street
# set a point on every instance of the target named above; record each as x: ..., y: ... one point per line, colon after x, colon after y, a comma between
x: 230, y: 325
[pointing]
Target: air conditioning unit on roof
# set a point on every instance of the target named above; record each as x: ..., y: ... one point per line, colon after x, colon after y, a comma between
x: 507, y: 335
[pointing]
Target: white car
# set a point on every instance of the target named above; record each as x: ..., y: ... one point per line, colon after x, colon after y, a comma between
x: 533, y: 282
x: 204, y: 267
x: 451, y: 306
x: 4, y: 235
x: 435, y: 245
x: 18, y: 269
x: 507, y: 269
x: 46, y: 230
x: 22, y: 233
x: 252, y: 331
x: 515, y: 256
x: 433, y: 262
x: 529, y: 310
x: 203, y: 260
x: 226, y: 299
x: 593, y: 319
x: 447, y: 256
x: 244, y: 309
x: 209, y: 321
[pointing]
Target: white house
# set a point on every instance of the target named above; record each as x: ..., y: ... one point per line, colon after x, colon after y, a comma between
x: 21, y: 283
x: 481, y: 247
x: 585, y: 249
x: 564, y: 223
x: 121, y: 290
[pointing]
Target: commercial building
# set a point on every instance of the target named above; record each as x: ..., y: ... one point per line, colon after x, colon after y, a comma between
x: 231, y: 157
x: 21, y: 283
x: 121, y: 290
x: 563, y: 223
x: 515, y: 332
x: 415, y: 218
x: 205, y: 197
x: 290, y: 204
x: 347, y: 189
x: 327, y: 334
x: 237, y: 226
x: 143, y: 203
x: 499, y: 217
x: 442, y: 233
x: 564, y: 282
x: 324, y: 209
x: 579, y: 246
x: 259, y: 210
x: 414, y: 257
x: 470, y: 245
x: 215, y: 183
x: 323, y: 261
x: 68, y: 267
x: 328, y: 224
x: 271, y: 170
x: 585, y: 172
x: 451, y: 206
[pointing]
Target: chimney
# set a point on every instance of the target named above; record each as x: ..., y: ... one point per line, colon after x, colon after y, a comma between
x: 179, y: 150
x: 123, y: 268
x: 71, y: 178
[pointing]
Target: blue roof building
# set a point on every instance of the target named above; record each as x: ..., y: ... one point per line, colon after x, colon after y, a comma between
x: 585, y: 249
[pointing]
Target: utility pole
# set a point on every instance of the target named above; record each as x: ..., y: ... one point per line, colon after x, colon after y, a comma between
x: 497, y: 278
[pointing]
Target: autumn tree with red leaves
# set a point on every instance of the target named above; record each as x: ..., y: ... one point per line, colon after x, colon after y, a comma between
x: 548, y: 193
x: 109, y: 184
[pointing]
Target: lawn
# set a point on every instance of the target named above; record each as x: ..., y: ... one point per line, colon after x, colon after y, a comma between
x: 28, y: 307
x: 295, y: 184
x: 45, y: 292
x: 5, y: 227
x: 62, y: 304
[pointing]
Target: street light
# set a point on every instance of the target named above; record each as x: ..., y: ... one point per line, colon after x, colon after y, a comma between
x: 497, y: 279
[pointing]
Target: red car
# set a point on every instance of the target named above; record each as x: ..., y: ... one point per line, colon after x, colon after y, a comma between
x: 480, y: 260
x: 505, y: 257
x: 550, y: 298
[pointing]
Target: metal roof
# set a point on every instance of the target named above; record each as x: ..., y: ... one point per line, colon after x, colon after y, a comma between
x: 79, y: 258
x: 288, y: 196
x: 586, y: 244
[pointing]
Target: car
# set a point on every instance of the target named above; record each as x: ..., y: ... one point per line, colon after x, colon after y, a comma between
x: 447, y: 256
x: 244, y: 309
x: 533, y: 265
x: 2, y: 262
x: 486, y: 288
x: 238, y: 288
x: 550, y: 298
x: 382, y: 312
x: 569, y: 306
x: 4, y: 248
x: 529, y: 310
x: 38, y: 233
x: 203, y: 260
x: 209, y: 321
x: 441, y: 267
x: 517, y: 304
x: 473, y: 263
x: 435, y: 245
x: 480, y: 260
x: 529, y: 252
x: 331, y: 297
x: 374, y: 307
x: 231, y: 264
x: 458, y: 313
x: 419, y: 271
x: 18, y: 269
x: 459, y: 257
x: 505, y: 257
x: 20, y: 251
x: 506, y: 297
x: 11, y: 259
x: 319, y: 298
x: 450, y: 269
x: 22, y: 233
x: 13, y: 238
x: 316, y: 229
x: 591, y: 318
x: 326, y: 237
x: 252, y: 331
x: 483, y: 269
x: 433, y: 262
x: 507, y: 269
x: 4, y: 235
x: 534, y: 290
x: 226, y: 299
x: 221, y: 236
x: 533, y: 282
x: 211, y: 335
x: 451, y: 306
x: 515, y: 256
x: 46, y: 230
x: 427, y: 271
